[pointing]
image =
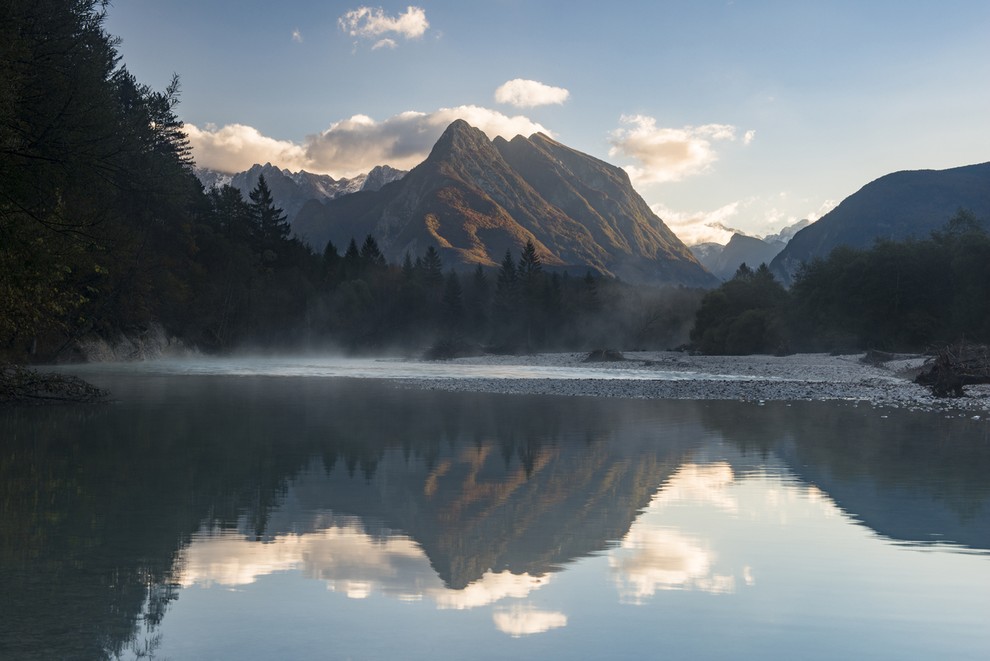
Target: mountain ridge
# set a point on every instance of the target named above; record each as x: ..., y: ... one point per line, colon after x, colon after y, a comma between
x: 475, y: 198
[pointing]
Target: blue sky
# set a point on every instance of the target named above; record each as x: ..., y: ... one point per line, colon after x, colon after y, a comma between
x: 750, y: 115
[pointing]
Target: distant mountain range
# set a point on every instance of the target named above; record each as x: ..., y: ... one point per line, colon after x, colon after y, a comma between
x: 724, y: 260
x: 292, y: 190
x: 896, y: 206
x: 475, y: 198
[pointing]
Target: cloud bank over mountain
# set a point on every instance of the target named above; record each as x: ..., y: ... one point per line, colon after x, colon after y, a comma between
x: 351, y: 146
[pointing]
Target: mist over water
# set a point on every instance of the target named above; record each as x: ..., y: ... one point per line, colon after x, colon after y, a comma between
x: 325, y: 366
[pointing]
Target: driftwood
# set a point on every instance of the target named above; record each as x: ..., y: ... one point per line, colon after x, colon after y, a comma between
x: 604, y: 356
x: 954, y: 367
x: 25, y: 386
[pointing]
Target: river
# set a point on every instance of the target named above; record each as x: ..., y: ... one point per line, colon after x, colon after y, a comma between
x: 273, y: 510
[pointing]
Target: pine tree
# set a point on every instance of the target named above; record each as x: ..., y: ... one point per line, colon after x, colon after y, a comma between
x: 432, y: 269
x: 271, y: 223
x: 372, y: 259
x: 453, y: 303
x: 352, y: 261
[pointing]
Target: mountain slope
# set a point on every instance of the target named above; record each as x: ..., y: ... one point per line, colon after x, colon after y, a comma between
x: 475, y: 199
x: 896, y: 206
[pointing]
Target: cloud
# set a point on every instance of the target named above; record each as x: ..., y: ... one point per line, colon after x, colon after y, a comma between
x: 297, y: 36
x: 749, y: 136
x: 236, y: 147
x: 522, y: 620
x: 523, y: 93
x: 654, y: 559
x: 368, y: 23
x: 667, y: 154
x: 693, y: 227
x: 350, y: 146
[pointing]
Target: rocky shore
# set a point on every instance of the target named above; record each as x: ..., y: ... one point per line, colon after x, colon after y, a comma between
x: 672, y: 375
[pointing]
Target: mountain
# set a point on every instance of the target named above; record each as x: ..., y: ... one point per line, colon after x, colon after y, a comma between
x: 474, y: 199
x: 292, y: 190
x: 896, y: 206
x: 787, y: 233
x: 740, y: 249
x: 707, y: 253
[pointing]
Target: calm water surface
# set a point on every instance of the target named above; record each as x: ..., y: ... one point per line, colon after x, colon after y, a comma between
x: 202, y: 516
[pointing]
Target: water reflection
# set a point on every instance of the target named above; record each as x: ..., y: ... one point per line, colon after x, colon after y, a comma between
x: 455, y: 502
x: 349, y: 561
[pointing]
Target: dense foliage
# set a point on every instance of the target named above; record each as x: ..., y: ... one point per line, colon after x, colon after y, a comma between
x: 904, y: 295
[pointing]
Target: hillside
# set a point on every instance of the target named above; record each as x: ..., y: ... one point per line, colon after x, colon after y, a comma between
x: 897, y: 206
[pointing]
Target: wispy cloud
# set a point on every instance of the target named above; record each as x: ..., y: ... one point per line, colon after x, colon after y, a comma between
x: 297, y: 36
x: 350, y: 146
x: 668, y: 154
x: 374, y: 24
x: 523, y: 93
x: 761, y: 216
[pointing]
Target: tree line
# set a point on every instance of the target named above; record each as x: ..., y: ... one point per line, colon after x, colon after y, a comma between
x: 895, y: 296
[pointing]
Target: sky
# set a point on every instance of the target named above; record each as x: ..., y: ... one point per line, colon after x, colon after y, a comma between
x: 727, y: 115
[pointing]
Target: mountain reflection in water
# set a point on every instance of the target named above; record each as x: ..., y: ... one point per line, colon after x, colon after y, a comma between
x: 459, y: 502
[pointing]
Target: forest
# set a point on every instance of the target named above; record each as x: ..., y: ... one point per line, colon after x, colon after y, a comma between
x: 896, y: 296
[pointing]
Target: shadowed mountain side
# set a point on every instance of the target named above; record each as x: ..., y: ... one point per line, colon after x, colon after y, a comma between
x: 638, y: 246
x: 896, y: 206
x: 467, y: 199
x: 913, y: 477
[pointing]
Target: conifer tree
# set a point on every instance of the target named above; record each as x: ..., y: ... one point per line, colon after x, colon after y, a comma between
x: 271, y: 222
x: 432, y: 269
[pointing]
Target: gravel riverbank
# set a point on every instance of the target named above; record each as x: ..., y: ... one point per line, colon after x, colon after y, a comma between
x: 673, y: 375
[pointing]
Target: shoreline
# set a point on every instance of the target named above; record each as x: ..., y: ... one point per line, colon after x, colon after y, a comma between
x: 755, y: 378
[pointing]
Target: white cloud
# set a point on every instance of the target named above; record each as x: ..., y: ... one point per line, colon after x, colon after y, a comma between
x: 297, y: 36
x: 667, y: 154
x: 653, y: 559
x: 351, y: 146
x: 749, y: 136
x: 368, y: 23
x: 523, y: 93
x: 522, y: 620
x: 236, y: 147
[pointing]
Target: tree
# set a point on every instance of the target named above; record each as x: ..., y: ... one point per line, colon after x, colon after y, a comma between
x: 453, y: 304
x: 745, y: 315
x: 432, y: 269
x: 271, y: 222
x: 372, y: 259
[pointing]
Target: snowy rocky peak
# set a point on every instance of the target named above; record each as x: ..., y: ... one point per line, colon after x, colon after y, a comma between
x: 292, y: 190
x: 787, y: 233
